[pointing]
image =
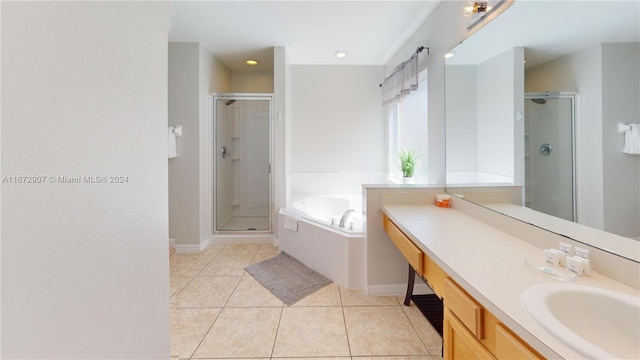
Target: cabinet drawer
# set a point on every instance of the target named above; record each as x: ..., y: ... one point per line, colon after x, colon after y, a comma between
x: 464, y: 307
x: 459, y: 343
x: 434, y: 275
x: 409, y: 250
x: 510, y: 347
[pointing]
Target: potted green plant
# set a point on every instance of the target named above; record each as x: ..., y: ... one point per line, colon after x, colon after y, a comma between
x: 407, y: 165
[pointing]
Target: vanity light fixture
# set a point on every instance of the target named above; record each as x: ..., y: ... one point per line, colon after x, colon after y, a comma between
x: 450, y: 54
x: 340, y: 54
x: 251, y: 62
x: 478, y: 7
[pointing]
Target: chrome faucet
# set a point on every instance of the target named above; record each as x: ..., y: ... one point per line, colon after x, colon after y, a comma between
x: 344, y: 218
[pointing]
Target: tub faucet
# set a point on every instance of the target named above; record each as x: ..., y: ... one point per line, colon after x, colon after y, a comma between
x: 344, y: 218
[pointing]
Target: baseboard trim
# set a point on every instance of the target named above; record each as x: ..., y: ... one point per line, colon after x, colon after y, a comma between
x: 192, y: 248
x: 187, y: 248
x: 397, y: 290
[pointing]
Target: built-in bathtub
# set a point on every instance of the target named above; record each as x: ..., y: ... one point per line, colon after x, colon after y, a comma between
x: 309, y: 231
x: 329, y: 210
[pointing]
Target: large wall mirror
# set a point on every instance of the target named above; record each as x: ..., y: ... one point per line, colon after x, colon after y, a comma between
x: 534, y: 99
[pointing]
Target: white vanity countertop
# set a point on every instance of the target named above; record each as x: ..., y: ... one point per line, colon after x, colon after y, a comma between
x: 490, y: 265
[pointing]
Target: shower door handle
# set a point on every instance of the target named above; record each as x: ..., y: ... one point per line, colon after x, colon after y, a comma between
x: 224, y: 152
x: 545, y: 149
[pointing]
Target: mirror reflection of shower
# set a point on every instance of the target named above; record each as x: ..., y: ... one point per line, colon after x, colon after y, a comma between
x: 242, y: 180
x: 549, y: 154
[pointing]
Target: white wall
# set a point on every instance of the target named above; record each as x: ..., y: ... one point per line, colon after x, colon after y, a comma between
x: 462, y: 123
x: 85, y: 270
x: 496, y: 81
x: 337, y: 120
x: 282, y: 130
x: 183, y: 170
x: 193, y: 74
x: 251, y: 81
x: 621, y: 180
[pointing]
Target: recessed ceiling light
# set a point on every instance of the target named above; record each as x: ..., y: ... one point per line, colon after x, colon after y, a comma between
x: 251, y: 62
x: 341, y: 53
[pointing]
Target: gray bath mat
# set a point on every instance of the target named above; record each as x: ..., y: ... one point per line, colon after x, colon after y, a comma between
x: 287, y: 278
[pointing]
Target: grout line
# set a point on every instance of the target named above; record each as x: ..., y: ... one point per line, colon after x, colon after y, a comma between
x: 205, y: 334
x: 275, y: 338
x: 344, y: 321
x: 416, y: 330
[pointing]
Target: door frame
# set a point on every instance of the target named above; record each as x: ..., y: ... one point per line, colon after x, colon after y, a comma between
x: 574, y: 98
x: 240, y: 96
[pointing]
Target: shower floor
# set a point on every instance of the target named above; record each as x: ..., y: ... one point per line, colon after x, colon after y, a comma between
x: 244, y: 223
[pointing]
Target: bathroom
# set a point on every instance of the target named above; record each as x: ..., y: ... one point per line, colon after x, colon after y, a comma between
x: 129, y: 234
x: 336, y: 135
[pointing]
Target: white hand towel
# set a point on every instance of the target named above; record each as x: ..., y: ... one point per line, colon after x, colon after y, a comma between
x: 173, y: 152
x: 290, y: 223
x: 631, y: 138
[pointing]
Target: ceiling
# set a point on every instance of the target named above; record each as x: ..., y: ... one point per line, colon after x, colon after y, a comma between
x: 311, y: 31
x: 552, y: 29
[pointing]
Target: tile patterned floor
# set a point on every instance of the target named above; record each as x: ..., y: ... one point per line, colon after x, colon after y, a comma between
x: 218, y: 311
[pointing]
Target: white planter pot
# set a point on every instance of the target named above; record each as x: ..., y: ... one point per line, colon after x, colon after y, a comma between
x: 407, y: 180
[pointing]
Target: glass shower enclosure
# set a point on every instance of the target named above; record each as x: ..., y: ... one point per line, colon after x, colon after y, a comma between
x: 242, y: 162
x: 550, y: 154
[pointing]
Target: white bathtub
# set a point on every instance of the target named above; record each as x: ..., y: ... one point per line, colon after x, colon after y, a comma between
x: 337, y: 253
x: 329, y: 209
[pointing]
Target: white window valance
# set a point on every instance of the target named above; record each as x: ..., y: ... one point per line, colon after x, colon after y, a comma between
x: 402, y: 81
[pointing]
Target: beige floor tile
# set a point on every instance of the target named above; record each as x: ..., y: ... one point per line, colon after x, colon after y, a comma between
x: 204, y: 291
x: 213, y: 249
x: 247, y: 249
x: 250, y: 293
x: 241, y: 332
x: 177, y: 283
x: 261, y: 257
x: 188, y: 328
x: 268, y: 249
x: 359, y: 298
x: 380, y: 331
x: 227, y: 265
x: 315, y: 358
x: 429, y: 336
x: 188, y: 264
x: 421, y: 357
x: 327, y: 296
x: 311, y: 331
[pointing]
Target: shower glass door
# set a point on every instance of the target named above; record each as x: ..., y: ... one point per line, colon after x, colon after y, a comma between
x: 242, y: 179
x: 549, y: 147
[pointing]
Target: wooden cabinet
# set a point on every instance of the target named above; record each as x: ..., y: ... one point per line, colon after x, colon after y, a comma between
x: 483, y: 332
x: 434, y: 276
x: 466, y: 309
x: 470, y: 331
x: 459, y: 342
x: 409, y: 250
x: 510, y: 347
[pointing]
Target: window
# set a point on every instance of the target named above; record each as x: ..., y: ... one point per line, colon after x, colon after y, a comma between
x: 408, y: 128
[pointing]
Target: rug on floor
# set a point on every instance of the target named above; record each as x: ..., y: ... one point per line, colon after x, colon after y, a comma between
x: 287, y: 278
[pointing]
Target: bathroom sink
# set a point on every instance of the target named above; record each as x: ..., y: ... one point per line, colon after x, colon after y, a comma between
x: 596, y: 323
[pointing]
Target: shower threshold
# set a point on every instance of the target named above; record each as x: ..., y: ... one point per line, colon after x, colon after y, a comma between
x: 246, y: 223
